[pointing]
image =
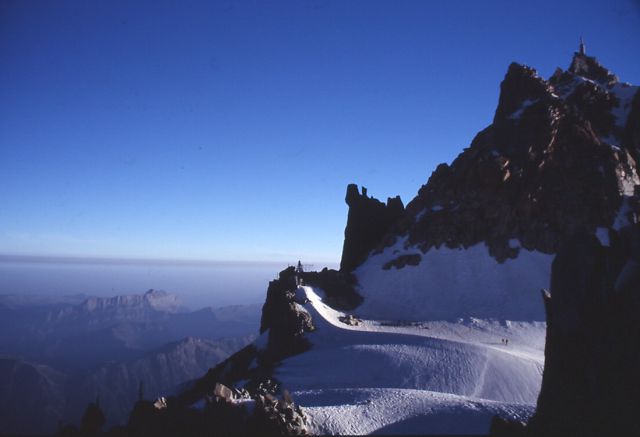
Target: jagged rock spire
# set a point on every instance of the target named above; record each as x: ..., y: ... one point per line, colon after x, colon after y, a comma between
x: 589, y: 67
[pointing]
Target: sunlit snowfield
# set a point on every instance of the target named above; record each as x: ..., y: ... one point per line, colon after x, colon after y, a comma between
x: 444, y: 377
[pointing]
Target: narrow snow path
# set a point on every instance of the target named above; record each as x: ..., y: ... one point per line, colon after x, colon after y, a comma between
x: 491, y: 338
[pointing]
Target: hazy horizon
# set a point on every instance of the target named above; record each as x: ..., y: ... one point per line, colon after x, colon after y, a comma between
x: 75, y: 259
x: 197, y: 284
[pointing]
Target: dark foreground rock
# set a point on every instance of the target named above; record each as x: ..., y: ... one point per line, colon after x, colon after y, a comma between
x: 592, y: 353
x: 591, y: 379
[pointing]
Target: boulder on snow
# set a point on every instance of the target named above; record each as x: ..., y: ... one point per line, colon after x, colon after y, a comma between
x: 272, y: 416
x: 223, y: 392
x: 350, y: 320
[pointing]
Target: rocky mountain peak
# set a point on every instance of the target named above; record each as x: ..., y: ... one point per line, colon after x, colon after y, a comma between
x: 520, y: 85
x: 560, y: 156
x: 162, y: 301
x: 590, y: 68
x: 152, y: 299
x: 106, y: 310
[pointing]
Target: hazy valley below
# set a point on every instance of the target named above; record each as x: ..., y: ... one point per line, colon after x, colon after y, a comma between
x: 74, y: 332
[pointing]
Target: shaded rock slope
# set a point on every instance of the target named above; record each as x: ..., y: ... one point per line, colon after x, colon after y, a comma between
x: 368, y: 220
x: 590, y: 381
x: 560, y: 156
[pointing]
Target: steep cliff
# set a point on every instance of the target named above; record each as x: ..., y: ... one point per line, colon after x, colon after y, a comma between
x: 590, y: 382
x: 368, y: 221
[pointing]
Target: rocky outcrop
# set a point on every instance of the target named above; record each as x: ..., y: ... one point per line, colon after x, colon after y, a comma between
x: 284, y: 323
x: 521, y: 84
x: 285, y: 320
x: 368, y: 221
x: 272, y: 416
x: 632, y: 128
x: 589, y: 67
x: 338, y: 287
x: 559, y: 158
x: 590, y: 380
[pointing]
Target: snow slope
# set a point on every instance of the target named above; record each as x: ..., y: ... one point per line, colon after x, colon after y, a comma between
x: 452, y: 283
x: 431, y: 377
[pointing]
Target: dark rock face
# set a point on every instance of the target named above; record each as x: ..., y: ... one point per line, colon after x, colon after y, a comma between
x: 277, y: 417
x: 285, y: 323
x: 338, y: 286
x: 590, y: 382
x: 632, y: 129
x: 283, y: 318
x: 368, y: 221
x: 504, y: 428
x: 559, y: 158
x: 92, y: 420
x: 520, y: 84
x: 589, y: 67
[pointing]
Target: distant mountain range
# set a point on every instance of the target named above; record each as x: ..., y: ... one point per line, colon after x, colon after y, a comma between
x: 58, y: 354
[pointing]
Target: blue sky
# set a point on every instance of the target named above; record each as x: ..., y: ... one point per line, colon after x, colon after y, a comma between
x: 229, y: 130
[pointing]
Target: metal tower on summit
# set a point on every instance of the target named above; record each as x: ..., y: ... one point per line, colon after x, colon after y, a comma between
x: 583, y: 49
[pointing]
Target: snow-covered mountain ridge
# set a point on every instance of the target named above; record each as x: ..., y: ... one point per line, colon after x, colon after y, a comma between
x: 560, y: 154
x: 478, y: 239
x: 360, y: 376
x: 435, y: 322
x: 442, y: 368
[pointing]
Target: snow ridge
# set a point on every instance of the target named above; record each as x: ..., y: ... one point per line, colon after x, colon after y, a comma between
x: 433, y: 377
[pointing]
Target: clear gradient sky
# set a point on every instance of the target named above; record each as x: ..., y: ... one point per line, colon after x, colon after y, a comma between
x: 229, y: 130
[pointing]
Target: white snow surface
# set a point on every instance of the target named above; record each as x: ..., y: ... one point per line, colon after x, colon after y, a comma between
x: 452, y: 283
x: 518, y: 112
x: 625, y: 93
x: 431, y: 377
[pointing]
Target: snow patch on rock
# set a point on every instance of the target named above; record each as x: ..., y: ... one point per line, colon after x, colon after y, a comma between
x: 518, y: 113
x: 624, y: 92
